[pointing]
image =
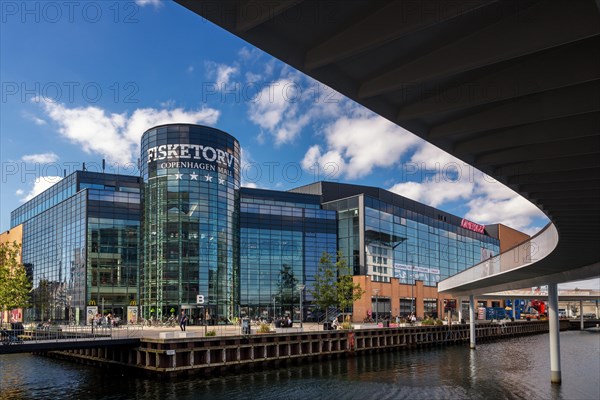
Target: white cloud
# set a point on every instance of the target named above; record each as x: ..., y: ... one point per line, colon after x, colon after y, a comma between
x: 361, y: 142
x: 267, y: 111
x: 311, y: 157
x: 442, y: 178
x: 249, y: 55
x: 250, y: 171
x: 436, y: 190
x: 269, y: 67
x: 39, y: 185
x: 281, y: 100
x: 168, y: 103
x: 494, y: 203
x: 429, y: 157
x: 154, y: 3
x: 496, y: 200
x: 224, y: 74
x: 252, y: 78
x: 37, y: 120
x: 276, y: 109
x: 328, y: 165
x: 221, y: 74
x: 436, y: 177
x: 116, y: 137
x: 42, y: 158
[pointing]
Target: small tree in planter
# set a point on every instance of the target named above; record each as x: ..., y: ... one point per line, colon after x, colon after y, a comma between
x: 264, y: 328
x: 346, y: 325
x: 347, y: 291
x: 324, y: 289
x: 334, y: 285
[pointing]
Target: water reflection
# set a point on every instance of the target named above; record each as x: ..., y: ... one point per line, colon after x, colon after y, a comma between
x: 517, y: 368
x: 472, y: 367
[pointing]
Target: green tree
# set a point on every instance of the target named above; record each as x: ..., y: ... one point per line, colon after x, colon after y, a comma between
x: 324, y: 290
x: 334, y: 285
x: 14, y: 283
x: 347, y: 291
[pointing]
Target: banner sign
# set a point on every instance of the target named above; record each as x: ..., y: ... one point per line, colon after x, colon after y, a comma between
x: 90, y: 314
x: 132, y: 314
x: 419, y: 273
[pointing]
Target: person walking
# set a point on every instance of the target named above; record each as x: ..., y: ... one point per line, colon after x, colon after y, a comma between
x: 183, y: 320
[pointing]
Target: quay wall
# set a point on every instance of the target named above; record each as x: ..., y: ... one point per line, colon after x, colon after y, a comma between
x: 187, y: 354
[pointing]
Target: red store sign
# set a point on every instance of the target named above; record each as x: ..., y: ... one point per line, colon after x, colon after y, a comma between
x: 472, y: 226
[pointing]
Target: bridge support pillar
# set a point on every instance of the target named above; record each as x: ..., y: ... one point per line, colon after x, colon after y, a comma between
x: 514, y: 309
x: 472, y: 321
x: 581, y: 324
x: 555, y: 374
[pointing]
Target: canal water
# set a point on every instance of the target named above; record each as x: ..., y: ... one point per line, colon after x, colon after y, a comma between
x: 507, y: 369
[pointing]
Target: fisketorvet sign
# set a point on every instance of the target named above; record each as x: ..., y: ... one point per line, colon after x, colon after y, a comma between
x: 193, y: 156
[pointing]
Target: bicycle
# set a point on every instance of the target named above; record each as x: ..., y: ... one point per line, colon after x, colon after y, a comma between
x: 8, y: 338
x: 171, y: 322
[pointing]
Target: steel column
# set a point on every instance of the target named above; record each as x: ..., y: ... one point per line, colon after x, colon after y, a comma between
x: 555, y: 374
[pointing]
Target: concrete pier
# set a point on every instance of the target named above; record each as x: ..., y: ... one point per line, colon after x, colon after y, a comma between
x: 188, y: 353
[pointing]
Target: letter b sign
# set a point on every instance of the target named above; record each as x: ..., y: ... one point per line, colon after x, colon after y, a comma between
x: 200, y: 299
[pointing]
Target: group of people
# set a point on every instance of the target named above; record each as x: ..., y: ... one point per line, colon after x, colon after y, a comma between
x: 283, y: 322
x: 184, y: 320
x: 106, y: 321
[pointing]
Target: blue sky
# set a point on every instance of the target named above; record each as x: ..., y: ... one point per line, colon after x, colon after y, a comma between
x: 82, y: 81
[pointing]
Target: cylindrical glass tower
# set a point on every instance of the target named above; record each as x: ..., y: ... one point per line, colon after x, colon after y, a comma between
x: 190, y: 201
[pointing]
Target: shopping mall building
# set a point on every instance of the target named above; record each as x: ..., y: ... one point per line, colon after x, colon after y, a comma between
x: 185, y: 235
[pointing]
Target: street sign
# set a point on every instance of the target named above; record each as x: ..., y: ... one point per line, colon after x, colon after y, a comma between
x: 200, y: 299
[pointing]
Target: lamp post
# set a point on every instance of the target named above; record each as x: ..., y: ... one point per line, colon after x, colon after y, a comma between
x: 376, y: 291
x: 273, y: 308
x: 412, y: 288
x: 301, y: 289
x: 412, y: 297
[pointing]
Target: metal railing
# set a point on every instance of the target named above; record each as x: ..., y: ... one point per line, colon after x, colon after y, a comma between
x: 522, y: 255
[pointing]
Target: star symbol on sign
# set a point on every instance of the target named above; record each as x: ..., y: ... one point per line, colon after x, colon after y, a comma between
x: 221, y: 181
x: 194, y: 176
x: 208, y: 178
x: 178, y: 176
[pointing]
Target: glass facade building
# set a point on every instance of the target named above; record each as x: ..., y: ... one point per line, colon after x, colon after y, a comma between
x: 80, y: 240
x: 191, y: 178
x: 185, y: 229
x: 282, y: 237
x: 384, y: 235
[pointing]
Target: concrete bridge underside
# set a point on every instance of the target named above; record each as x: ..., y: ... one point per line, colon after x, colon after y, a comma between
x: 512, y: 88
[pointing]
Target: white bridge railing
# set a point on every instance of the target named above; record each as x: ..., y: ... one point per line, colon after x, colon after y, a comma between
x: 535, y: 249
